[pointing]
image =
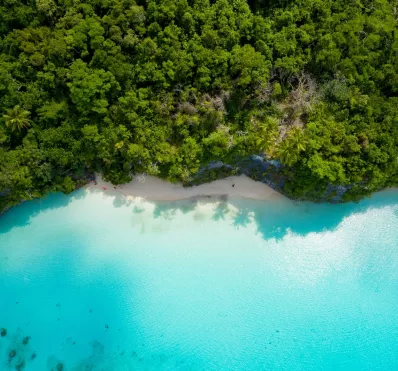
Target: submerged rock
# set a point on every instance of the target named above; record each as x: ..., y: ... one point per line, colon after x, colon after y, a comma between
x: 25, y: 340
x: 12, y: 354
x: 3, y: 332
x: 34, y: 355
x: 20, y: 366
x: 59, y: 367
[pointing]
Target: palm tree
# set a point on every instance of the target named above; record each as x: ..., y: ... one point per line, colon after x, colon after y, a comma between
x: 285, y: 153
x: 17, y: 118
x: 297, y: 139
x: 290, y: 148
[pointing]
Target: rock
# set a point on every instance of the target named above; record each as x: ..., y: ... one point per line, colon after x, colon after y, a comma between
x: 12, y: 354
x: 3, y: 332
x: 20, y: 366
x: 25, y: 340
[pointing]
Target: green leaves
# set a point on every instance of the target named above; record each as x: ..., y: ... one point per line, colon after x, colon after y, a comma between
x: 163, y: 87
x: 90, y: 88
x: 290, y: 148
x: 16, y: 119
x: 249, y: 66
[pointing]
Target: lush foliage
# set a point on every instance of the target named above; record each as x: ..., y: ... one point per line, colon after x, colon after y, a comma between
x: 165, y: 86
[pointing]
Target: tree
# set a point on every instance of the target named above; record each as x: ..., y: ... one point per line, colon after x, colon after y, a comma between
x: 90, y: 88
x: 289, y: 149
x: 297, y: 139
x: 17, y: 118
x: 164, y: 87
x: 285, y: 154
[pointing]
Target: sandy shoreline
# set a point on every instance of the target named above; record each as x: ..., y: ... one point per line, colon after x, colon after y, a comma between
x: 155, y: 189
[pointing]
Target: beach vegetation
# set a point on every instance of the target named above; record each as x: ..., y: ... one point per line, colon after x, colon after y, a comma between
x: 164, y: 87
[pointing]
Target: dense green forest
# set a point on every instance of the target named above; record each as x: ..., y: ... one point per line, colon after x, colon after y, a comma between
x: 164, y: 87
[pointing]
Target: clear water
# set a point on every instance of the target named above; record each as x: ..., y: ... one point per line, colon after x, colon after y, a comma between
x: 99, y: 283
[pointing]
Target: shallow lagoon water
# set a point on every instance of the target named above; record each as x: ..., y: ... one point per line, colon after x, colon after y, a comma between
x: 97, y: 282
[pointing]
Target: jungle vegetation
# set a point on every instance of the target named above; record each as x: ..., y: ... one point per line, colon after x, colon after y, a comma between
x: 163, y: 87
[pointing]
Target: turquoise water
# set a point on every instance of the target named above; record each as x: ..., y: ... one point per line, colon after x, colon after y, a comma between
x: 101, y: 283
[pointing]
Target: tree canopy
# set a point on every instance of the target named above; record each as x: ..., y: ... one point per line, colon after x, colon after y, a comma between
x: 163, y: 87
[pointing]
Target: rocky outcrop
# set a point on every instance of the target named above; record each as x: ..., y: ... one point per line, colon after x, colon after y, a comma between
x: 268, y: 171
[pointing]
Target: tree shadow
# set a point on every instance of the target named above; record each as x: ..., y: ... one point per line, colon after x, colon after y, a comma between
x: 242, y: 218
x: 275, y: 219
x: 22, y: 214
x: 220, y: 211
x: 120, y: 201
x: 168, y: 209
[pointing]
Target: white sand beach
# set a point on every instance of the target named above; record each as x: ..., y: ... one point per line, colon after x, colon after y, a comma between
x: 155, y: 189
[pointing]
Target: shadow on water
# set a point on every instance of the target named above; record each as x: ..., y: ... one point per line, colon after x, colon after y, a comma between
x: 22, y: 214
x: 305, y: 217
x: 274, y: 219
x: 167, y: 210
x: 120, y: 201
